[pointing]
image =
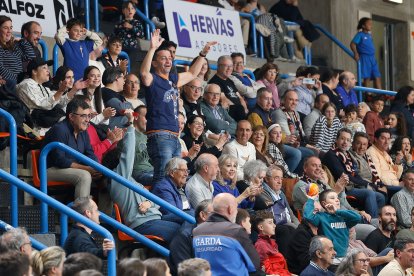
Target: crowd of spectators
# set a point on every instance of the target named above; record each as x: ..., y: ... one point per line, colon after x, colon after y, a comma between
x: 239, y: 155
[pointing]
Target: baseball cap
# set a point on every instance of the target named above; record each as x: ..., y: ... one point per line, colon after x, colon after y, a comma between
x: 37, y: 62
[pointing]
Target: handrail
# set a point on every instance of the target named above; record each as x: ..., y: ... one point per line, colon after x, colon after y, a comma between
x: 346, y: 50
x: 212, y: 67
x: 14, y: 202
x: 111, y: 174
x: 66, y: 210
x: 55, y: 58
x: 252, y: 28
x: 149, y: 26
x: 96, y: 11
x: 118, y: 226
x: 87, y: 12
x: 35, y: 243
x: 45, y: 49
x: 374, y: 90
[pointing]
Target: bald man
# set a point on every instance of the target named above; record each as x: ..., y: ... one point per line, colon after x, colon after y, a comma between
x: 345, y: 89
x: 225, y: 244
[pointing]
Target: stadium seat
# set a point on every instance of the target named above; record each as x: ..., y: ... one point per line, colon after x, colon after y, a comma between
x: 287, y: 185
x: 35, y: 172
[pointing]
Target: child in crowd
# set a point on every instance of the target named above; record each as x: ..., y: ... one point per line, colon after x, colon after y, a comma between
x: 372, y: 119
x: 333, y: 222
x: 351, y: 120
x: 75, y: 50
x: 243, y: 219
x: 364, y: 50
x: 271, y: 260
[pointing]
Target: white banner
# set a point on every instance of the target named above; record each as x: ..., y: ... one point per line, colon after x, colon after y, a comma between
x: 50, y: 14
x: 191, y: 26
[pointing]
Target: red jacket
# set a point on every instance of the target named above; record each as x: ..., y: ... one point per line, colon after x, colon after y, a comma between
x: 271, y: 259
x: 99, y: 147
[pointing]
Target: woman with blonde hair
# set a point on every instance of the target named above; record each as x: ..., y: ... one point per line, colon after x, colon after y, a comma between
x: 226, y: 182
x: 48, y: 262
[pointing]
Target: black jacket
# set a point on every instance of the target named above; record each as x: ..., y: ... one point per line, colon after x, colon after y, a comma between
x: 79, y: 240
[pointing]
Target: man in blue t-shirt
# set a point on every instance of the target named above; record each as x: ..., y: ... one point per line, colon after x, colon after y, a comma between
x: 161, y: 94
x: 345, y: 88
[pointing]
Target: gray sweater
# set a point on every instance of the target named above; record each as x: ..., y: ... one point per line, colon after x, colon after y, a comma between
x: 127, y: 200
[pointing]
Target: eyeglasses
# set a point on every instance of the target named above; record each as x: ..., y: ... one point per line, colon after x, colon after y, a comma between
x: 183, y: 170
x: 363, y: 260
x: 131, y: 82
x: 198, y: 123
x: 226, y: 66
x: 213, y: 94
x: 195, y: 88
x: 83, y: 116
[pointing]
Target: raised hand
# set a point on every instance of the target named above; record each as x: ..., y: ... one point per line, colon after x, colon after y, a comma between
x: 156, y: 39
x: 207, y: 47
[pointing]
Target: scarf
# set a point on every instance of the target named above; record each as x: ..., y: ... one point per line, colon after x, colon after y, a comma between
x: 346, y: 159
x: 374, y: 172
x: 294, y: 124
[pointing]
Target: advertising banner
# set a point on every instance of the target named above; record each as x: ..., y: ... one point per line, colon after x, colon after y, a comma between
x: 191, y: 26
x: 51, y: 14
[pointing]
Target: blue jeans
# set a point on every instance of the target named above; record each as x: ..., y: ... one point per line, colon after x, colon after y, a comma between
x: 373, y: 201
x: 292, y: 157
x: 158, y: 227
x: 391, y: 190
x: 145, y: 178
x: 162, y: 146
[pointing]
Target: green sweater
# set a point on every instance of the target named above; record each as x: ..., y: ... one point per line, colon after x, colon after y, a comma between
x: 141, y: 161
x: 334, y: 226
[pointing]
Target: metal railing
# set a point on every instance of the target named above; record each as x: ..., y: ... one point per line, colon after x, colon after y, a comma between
x: 14, y: 202
x: 212, y: 67
x: 253, y: 35
x: 45, y: 199
x: 149, y: 25
x: 105, y: 171
x: 35, y: 243
x: 118, y: 226
x: 346, y: 50
x: 374, y: 90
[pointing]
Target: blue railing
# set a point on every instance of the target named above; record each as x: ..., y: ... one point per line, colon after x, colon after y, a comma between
x: 111, y: 174
x: 212, y: 67
x: 118, y: 226
x: 149, y: 25
x: 253, y: 35
x: 14, y: 203
x: 346, y: 50
x: 35, y: 243
x: 45, y: 199
x: 56, y: 58
x: 374, y: 90
x: 45, y: 49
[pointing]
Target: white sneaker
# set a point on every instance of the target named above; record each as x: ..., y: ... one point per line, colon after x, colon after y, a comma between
x: 288, y: 39
x: 158, y: 24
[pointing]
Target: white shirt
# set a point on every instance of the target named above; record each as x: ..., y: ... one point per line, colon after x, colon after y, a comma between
x: 242, y: 153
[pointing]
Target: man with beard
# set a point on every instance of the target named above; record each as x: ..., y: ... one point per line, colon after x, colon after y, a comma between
x: 383, y: 236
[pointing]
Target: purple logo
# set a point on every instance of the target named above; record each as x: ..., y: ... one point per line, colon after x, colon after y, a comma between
x: 183, y: 35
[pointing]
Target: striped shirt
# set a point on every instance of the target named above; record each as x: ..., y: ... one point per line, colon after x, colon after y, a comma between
x: 274, y: 151
x: 11, y: 61
x: 323, y: 136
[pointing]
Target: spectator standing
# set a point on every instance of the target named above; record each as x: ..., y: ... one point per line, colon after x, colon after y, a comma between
x: 76, y: 51
x: 161, y: 93
x: 362, y: 45
x: 130, y: 30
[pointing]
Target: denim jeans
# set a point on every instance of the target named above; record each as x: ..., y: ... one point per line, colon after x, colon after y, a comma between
x: 373, y: 201
x: 160, y: 228
x: 162, y: 146
x: 391, y: 190
x: 292, y: 157
x: 144, y: 178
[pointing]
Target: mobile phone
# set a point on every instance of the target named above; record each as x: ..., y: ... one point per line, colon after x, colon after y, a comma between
x: 308, y: 81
